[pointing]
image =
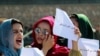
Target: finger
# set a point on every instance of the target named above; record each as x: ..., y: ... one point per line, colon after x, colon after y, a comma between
x: 53, y: 38
x: 50, y: 37
x: 46, y: 37
x: 76, y: 31
x: 53, y: 41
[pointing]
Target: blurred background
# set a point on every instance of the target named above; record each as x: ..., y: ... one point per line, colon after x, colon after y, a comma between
x: 28, y: 11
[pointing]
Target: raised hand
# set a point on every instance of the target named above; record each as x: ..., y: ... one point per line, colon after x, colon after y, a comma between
x: 77, y: 32
x: 75, y: 43
x: 48, y: 43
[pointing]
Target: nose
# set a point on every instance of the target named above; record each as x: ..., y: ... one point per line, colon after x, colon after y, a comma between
x: 40, y: 33
x: 20, y: 35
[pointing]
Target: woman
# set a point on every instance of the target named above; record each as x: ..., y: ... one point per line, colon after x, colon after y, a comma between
x: 11, y: 37
x: 42, y: 30
x: 82, y: 22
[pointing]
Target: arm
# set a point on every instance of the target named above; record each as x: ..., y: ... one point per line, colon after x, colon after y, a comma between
x: 75, y: 43
x: 75, y: 51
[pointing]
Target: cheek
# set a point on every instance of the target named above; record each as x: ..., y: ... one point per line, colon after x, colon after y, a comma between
x: 14, y: 41
x: 76, y: 24
x: 36, y: 35
x: 15, y: 36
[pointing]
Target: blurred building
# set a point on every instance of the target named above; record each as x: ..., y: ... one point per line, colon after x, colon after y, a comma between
x: 1, y: 20
x: 28, y: 11
x: 31, y: 10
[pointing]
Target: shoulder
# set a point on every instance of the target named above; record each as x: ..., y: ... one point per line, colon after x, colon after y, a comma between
x: 62, y: 49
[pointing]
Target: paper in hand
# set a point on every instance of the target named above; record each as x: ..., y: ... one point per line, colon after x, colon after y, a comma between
x: 63, y: 26
x: 31, y: 52
x: 88, y: 47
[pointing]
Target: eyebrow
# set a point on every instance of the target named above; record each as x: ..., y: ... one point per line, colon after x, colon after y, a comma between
x: 45, y: 29
x: 40, y: 28
x: 17, y: 29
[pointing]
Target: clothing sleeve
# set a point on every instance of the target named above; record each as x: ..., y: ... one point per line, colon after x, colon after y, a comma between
x: 75, y: 53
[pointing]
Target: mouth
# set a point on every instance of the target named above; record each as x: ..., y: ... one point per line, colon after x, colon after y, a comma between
x: 19, y: 41
x: 40, y: 39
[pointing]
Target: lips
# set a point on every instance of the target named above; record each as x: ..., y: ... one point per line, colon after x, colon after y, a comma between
x: 19, y: 41
x: 40, y: 39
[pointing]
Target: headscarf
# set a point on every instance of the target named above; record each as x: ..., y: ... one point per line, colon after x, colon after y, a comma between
x: 56, y: 50
x: 6, y: 39
x: 84, y: 25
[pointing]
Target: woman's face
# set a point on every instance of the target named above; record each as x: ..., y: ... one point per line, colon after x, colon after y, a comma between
x: 18, y: 35
x: 75, y: 22
x: 41, y: 30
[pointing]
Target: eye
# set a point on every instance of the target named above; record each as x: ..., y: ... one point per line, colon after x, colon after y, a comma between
x: 21, y: 31
x: 37, y: 30
x: 45, y: 32
x: 15, y: 31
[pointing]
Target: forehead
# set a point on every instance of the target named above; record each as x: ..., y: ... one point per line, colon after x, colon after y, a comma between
x: 44, y: 25
x: 73, y: 19
x: 16, y: 26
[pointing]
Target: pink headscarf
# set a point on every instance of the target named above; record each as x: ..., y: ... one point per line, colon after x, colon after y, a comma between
x: 56, y: 50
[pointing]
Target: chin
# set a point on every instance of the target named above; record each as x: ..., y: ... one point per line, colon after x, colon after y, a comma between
x: 39, y: 43
x: 18, y: 47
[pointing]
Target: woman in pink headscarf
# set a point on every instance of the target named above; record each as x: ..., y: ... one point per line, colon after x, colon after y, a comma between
x: 42, y: 34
